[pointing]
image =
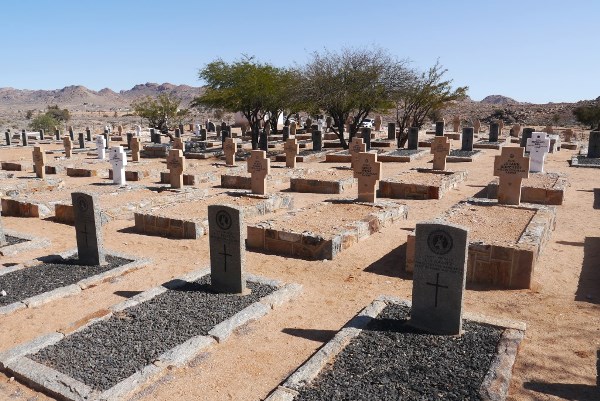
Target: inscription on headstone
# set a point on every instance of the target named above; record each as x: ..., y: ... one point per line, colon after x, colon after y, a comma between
x: 368, y: 171
x: 511, y: 167
x: 259, y: 167
x: 357, y: 146
x: 88, y: 230
x: 440, y: 148
x: 538, y: 147
x: 118, y: 161
x: 101, y: 147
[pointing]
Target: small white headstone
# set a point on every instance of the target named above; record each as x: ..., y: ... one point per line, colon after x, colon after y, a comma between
x: 118, y: 161
x: 138, y: 130
x: 538, y: 147
x: 100, y: 147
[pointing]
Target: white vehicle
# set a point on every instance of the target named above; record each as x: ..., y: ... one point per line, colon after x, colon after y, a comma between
x: 367, y: 123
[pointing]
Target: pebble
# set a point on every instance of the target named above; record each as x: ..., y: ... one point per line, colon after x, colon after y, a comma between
x: 3, y: 293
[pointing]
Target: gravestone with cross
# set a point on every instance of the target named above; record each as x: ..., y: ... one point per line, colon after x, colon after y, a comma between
x: 178, y: 143
x: 259, y: 167
x: 511, y: 167
x: 569, y: 135
x: 594, y: 145
x: 230, y: 149
x: 227, y: 235
x: 356, y: 147
x: 515, y: 130
x: 68, y: 144
x: 135, y: 148
x: 39, y: 162
x: 440, y: 148
x: 378, y: 123
x: 439, y: 277
x: 467, y: 139
x: 413, y: 138
x: 176, y: 166
x: 538, y: 147
x: 291, y: 149
x: 494, y: 132
x: 368, y: 171
x: 88, y: 229
x: 118, y: 161
x: 476, y: 126
x: 101, y: 147
x: 456, y: 123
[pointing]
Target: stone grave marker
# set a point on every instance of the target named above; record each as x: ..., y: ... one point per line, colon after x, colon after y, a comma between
x: 515, y: 130
x: 24, y: 138
x: 594, y: 145
x: 176, y: 166
x: 106, y: 139
x: 57, y: 134
x: 88, y: 135
x: 178, y: 143
x: 378, y: 123
x: 138, y: 130
x: 71, y: 133
x: 285, y: 132
x: 328, y: 123
x: 511, y: 167
x: 317, y: 140
x: 477, y: 126
x: 368, y: 171
x: 88, y: 229
x: 211, y: 127
x: 391, y: 130
x: 467, y: 139
x: 129, y: 135
x: 500, y: 127
x: 118, y: 161
x: 494, y: 132
x: 293, y: 128
x: 356, y: 147
x: 81, y: 138
x: 39, y: 162
x: 440, y: 148
x: 439, y: 128
x: 456, y: 123
x: 230, y: 149
x: 291, y: 149
x: 203, y: 134
x: 227, y: 236
x: 525, y: 136
x: 439, y: 277
x: 68, y: 144
x: 263, y: 141
x: 259, y: 167
x: 365, y: 133
x: 181, y: 130
x: 120, y: 129
x: 42, y: 134
x: 101, y: 147
x: 7, y: 138
x: 177, y: 133
x: 2, y: 235
x: 135, y: 148
x: 308, y: 123
x: 569, y: 135
x: 538, y: 147
x: 413, y: 138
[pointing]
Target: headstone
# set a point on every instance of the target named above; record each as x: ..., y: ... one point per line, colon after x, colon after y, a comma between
x: 227, y: 237
x: 525, y: 136
x: 177, y: 133
x: 57, y: 134
x: 7, y: 138
x: 320, y: 125
x: 2, y: 235
x: 106, y: 139
x: 154, y: 137
x: 357, y: 145
x: 191, y: 127
x: 569, y: 135
x: 230, y: 149
x: 413, y: 138
x: 135, y: 148
x: 548, y: 130
x: 500, y: 127
x: 476, y: 126
x: 81, y: 140
x: 368, y: 171
x: 511, y: 167
x: 101, y: 147
x: 263, y: 141
x: 366, y: 136
x: 71, y: 133
x: 285, y: 133
x: 439, y: 277
x: 259, y: 166
x: 129, y: 135
x: 439, y: 128
x: 118, y: 161
x: 293, y: 128
x: 176, y: 166
x: 329, y: 122
x: 456, y: 123
x: 317, y: 140
x: 440, y: 148
x: 120, y: 129
x: 24, y: 138
x: 467, y: 139
x: 138, y: 130
x: 538, y: 147
x: 88, y: 229
x: 178, y: 143
x: 42, y: 134
x: 494, y: 132
x: 308, y: 123
x: 224, y: 127
x: 181, y: 131
x: 211, y: 127
x: 39, y: 162
x: 68, y: 144
x: 515, y: 130
x: 378, y: 123
x: 88, y: 135
x: 391, y: 130
x: 594, y: 145
x: 291, y: 149
x: 203, y: 134
x: 197, y: 129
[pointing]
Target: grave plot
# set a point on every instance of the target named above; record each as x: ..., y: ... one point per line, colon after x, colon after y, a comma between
x: 12, y: 242
x: 345, y: 156
x: 591, y: 158
x: 243, y: 179
x: 541, y: 188
x: 322, y: 230
x: 487, y: 144
x: 331, y: 181
x: 189, y: 219
x: 402, y: 155
x: 420, y: 184
x: 13, y: 184
x: 505, y: 240
x: 379, y: 356
x: 112, y: 356
x: 305, y: 155
x: 459, y: 155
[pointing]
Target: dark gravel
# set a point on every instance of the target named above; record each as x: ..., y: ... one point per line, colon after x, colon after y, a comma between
x: 107, y: 352
x: 588, y: 160
x: 404, y: 152
x: 484, y: 142
x: 10, y: 240
x: 391, y: 361
x: 25, y: 283
x: 463, y: 153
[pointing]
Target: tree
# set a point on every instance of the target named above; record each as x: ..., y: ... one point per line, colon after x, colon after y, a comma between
x: 61, y: 115
x: 351, y: 84
x: 424, y: 95
x: 246, y: 85
x: 161, y: 112
x: 588, y: 115
x: 44, y: 121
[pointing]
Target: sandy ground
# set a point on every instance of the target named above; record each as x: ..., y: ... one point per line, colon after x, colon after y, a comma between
x: 558, y: 358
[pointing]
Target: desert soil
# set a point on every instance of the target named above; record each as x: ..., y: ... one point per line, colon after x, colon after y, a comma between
x: 557, y: 359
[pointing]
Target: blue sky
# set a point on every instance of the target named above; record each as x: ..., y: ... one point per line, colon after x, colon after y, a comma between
x: 531, y: 50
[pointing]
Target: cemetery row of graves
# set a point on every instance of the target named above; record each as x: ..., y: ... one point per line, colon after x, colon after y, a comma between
x: 296, y: 196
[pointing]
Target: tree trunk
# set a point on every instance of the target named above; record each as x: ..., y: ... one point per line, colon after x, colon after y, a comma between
x: 340, y: 131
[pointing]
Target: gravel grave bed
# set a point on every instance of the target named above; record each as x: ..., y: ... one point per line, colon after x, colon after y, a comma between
x: 10, y: 240
x: 391, y: 361
x: 329, y: 175
x: 30, y: 281
x: 421, y: 178
x: 463, y: 153
x: 588, y: 160
x: 540, y: 180
x: 109, y: 351
x: 404, y: 152
x: 492, y: 224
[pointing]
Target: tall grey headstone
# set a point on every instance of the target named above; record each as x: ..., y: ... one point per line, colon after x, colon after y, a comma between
x: 263, y: 141
x: 42, y: 134
x: 227, y: 235
x: 494, y: 132
x: 81, y: 141
x: 7, y: 138
x: 413, y: 138
x: 439, y: 276
x: 177, y: 133
x: 594, y: 144
x: 286, y: 133
x: 366, y: 136
x: 106, y: 139
x: 71, y: 134
x: 525, y: 136
x: 88, y: 229
x: 203, y: 134
x: 129, y: 136
x: 317, y: 140
x: 88, y: 135
x: 57, y: 134
x: 181, y: 130
x: 391, y: 130
x: 467, y: 139
x: 24, y: 138
x: 439, y: 128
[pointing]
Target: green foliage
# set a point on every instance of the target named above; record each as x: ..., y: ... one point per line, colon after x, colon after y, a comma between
x: 161, y: 112
x: 58, y: 114
x: 588, y: 115
x: 44, y: 121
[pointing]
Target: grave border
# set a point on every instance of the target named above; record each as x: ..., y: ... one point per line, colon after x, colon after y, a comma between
x: 460, y: 159
x: 483, y: 144
x: 452, y: 179
x: 496, y: 381
x: 38, y: 376
x: 321, y: 186
x: 554, y: 196
x: 71, y: 289
x: 575, y: 163
x: 387, y: 157
x: 31, y: 242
